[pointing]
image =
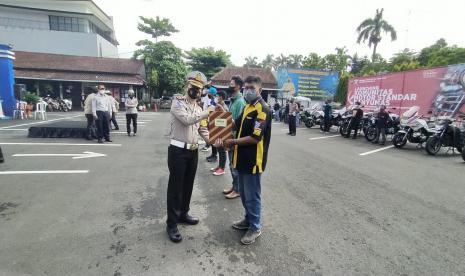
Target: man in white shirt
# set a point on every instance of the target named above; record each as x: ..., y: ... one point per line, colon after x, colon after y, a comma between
x: 102, y: 111
x: 114, y: 109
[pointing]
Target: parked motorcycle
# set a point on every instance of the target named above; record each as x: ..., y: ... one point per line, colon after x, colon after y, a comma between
x: 313, y: 115
x: 414, y: 129
x: 447, y: 135
x: 392, y: 127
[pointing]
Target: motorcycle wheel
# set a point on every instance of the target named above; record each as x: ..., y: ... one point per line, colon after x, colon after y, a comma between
x: 433, y: 145
x: 398, y: 140
x: 309, y: 123
x: 370, y: 134
x: 343, y: 129
x: 460, y: 149
x: 463, y: 153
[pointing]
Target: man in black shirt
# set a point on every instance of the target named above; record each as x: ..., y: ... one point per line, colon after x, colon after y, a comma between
x: 250, y: 156
x: 357, y: 114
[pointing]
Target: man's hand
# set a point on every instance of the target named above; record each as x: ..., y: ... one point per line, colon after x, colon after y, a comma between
x: 218, y: 143
x: 228, y: 143
x: 95, y: 117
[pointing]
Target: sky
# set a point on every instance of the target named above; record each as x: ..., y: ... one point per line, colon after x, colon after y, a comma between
x: 245, y: 28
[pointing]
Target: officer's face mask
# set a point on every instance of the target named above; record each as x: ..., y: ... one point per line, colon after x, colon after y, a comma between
x: 193, y: 92
x: 250, y: 95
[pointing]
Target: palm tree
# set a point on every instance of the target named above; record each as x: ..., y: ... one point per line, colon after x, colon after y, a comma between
x: 370, y: 29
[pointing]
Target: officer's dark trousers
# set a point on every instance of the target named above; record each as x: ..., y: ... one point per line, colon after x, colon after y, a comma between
x: 133, y: 118
x: 327, y: 124
x: 90, y: 125
x: 292, y: 125
x: 182, y: 164
x: 103, y: 125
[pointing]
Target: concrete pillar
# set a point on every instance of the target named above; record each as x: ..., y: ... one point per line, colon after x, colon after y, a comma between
x: 61, y: 90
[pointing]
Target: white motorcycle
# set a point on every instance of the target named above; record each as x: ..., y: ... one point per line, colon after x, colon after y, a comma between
x: 414, y: 129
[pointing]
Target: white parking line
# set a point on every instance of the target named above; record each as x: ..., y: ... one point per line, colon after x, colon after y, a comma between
x: 41, y: 122
x: 323, y: 137
x: 44, y: 172
x: 15, y: 129
x: 376, y: 150
x: 61, y: 144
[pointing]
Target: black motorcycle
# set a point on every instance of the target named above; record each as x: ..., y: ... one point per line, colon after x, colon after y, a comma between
x: 447, y: 135
x: 393, y: 126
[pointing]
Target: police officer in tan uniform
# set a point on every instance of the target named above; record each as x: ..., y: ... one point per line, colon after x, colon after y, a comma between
x: 185, y: 131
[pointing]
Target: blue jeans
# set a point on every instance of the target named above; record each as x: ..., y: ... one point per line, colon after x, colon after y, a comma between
x: 234, y: 173
x: 250, y: 190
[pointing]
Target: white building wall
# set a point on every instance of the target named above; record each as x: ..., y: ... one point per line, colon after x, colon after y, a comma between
x: 108, y: 49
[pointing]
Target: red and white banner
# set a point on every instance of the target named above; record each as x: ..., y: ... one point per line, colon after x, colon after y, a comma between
x: 438, y: 91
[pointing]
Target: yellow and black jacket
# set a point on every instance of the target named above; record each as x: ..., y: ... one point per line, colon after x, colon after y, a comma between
x: 254, y: 121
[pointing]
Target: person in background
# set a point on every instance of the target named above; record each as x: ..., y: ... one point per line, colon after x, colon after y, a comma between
x: 131, y: 112
x: 102, y: 111
x: 2, y: 159
x: 357, y: 114
x: 221, y: 151
x: 88, y: 112
x: 212, y: 101
x: 327, y: 116
x: 114, y: 109
x: 293, y: 110
x: 276, y: 109
x: 286, y: 112
x: 382, y: 120
x: 250, y: 156
x: 236, y: 107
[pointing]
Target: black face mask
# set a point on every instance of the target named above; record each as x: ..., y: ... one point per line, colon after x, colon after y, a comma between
x: 193, y: 92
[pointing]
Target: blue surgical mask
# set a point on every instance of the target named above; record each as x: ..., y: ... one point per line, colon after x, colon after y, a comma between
x: 250, y: 95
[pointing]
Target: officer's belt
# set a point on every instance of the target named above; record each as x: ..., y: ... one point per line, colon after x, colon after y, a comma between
x: 183, y: 145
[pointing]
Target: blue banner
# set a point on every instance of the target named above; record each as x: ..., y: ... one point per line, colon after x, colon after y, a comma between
x: 314, y: 84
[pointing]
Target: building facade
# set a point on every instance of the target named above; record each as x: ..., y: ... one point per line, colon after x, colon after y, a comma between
x: 68, y: 27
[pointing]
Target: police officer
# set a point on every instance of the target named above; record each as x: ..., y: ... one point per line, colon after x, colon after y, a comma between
x: 186, y: 115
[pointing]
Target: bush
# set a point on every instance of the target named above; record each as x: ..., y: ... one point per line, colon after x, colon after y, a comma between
x: 31, y: 98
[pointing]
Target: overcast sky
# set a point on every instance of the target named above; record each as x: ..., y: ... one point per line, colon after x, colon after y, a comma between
x: 257, y: 27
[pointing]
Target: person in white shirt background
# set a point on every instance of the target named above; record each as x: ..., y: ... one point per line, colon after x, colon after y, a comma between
x: 131, y: 112
x: 114, y: 109
x: 102, y: 111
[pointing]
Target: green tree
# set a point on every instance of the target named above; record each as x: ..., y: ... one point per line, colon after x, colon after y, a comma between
x: 252, y: 62
x: 314, y: 61
x: 282, y: 61
x: 207, y: 60
x: 341, y: 94
x: 295, y: 61
x: 166, y: 71
x: 370, y: 29
x: 269, y: 63
x: 357, y: 64
x: 337, y: 62
x: 156, y: 27
x: 440, y: 54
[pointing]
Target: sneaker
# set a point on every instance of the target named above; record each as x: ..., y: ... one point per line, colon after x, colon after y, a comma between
x: 211, y: 159
x: 250, y: 236
x: 232, y: 195
x: 219, y: 171
x: 214, y: 169
x: 206, y: 148
x: 241, y: 225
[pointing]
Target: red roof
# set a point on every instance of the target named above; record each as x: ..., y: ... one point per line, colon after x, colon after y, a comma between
x: 30, y: 65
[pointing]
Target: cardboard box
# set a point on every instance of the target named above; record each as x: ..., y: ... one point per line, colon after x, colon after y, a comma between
x: 220, y: 126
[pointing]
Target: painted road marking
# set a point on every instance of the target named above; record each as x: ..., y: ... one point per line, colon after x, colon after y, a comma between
x: 86, y: 154
x: 41, y: 122
x: 286, y: 129
x: 61, y: 144
x: 323, y: 137
x: 44, y: 172
x: 15, y: 129
x: 376, y: 150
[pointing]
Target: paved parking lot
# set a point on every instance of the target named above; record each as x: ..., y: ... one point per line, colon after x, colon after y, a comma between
x: 332, y: 206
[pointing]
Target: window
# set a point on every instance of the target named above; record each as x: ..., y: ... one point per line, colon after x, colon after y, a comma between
x: 67, y: 24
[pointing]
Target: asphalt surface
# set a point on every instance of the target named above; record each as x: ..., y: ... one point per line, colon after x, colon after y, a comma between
x: 327, y: 210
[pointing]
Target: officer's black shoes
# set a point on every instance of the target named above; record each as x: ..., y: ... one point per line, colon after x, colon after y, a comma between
x: 189, y: 220
x: 108, y: 140
x: 174, y: 234
x: 100, y: 141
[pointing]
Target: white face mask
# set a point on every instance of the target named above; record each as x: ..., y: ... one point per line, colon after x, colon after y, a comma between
x: 101, y: 92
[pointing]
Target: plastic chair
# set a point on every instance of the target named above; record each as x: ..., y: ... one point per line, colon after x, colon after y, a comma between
x: 41, y: 111
x: 19, y: 112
